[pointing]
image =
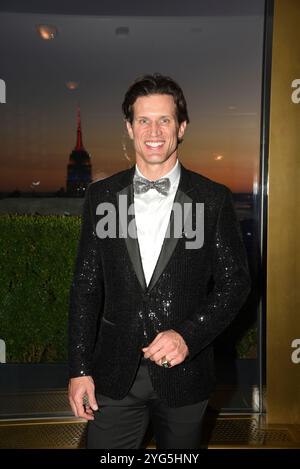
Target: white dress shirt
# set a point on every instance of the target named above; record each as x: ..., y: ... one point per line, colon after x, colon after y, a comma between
x: 152, y: 214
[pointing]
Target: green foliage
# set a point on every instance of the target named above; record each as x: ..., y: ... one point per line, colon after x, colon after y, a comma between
x: 36, y: 264
x: 247, y: 345
x: 37, y: 258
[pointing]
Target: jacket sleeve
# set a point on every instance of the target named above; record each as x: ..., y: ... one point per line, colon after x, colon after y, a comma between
x: 231, y: 283
x: 86, y: 294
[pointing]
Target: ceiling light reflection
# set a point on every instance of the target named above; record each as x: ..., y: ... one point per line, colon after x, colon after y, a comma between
x: 46, y: 32
x: 72, y: 85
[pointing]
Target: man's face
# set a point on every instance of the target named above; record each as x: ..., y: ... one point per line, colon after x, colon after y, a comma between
x: 155, y: 129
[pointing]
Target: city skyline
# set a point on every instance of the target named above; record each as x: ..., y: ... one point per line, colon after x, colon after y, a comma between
x: 94, y: 60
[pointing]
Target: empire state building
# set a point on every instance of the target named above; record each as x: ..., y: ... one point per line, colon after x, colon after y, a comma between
x: 79, y: 168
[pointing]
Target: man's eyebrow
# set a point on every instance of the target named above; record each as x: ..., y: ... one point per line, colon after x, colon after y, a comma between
x: 160, y: 117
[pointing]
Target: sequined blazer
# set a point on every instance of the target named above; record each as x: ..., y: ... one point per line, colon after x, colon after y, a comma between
x: 196, y: 292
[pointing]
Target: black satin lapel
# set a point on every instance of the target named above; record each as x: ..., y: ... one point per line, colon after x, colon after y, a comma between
x: 170, y: 242
x: 128, y: 227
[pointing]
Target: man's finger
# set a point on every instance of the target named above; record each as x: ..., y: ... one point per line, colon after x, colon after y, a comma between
x: 153, y: 352
x: 89, y: 410
x: 92, y: 400
x: 154, y: 347
x: 73, y: 406
x: 160, y: 355
x: 82, y: 413
x: 157, y: 338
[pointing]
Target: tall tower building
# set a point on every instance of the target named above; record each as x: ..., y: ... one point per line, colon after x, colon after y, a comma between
x: 79, y: 168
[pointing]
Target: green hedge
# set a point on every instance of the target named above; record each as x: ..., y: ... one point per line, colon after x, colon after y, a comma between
x: 37, y: 258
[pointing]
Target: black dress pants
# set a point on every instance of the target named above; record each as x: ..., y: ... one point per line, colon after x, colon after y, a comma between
x: 122, y: 424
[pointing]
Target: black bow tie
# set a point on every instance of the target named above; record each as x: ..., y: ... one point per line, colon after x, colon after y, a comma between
x: 142, y: 185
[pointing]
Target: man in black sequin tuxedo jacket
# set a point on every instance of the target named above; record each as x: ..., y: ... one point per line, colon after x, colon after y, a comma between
x: 145, y: 303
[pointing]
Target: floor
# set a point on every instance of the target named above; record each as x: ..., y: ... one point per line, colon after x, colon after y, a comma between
x: 43, y: 420
x: 223, y: 432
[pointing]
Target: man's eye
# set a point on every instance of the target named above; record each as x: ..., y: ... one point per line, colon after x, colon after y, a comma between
x: 165, y: 120
x: 143, y: 121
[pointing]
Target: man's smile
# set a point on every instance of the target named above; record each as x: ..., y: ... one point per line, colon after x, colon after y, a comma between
x: 154, y: 144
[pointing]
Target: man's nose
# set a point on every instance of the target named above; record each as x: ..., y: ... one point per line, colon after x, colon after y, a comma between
x: 155, y: 129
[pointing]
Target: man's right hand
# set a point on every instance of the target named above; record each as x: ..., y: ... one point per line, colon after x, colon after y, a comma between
x: 78, y: 387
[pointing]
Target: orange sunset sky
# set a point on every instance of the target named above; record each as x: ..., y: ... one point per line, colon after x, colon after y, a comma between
x: 216, y: 60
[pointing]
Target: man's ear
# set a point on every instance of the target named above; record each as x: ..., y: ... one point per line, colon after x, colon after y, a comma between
x: 181, y: 129
x: 129, y: 130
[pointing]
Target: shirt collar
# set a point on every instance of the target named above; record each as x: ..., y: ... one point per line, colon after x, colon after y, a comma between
x: 173, y: 174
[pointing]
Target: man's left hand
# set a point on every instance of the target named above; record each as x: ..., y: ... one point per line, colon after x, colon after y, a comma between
x: 167, y: 345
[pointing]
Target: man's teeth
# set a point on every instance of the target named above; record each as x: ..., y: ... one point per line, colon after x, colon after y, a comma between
x: 154, y: 144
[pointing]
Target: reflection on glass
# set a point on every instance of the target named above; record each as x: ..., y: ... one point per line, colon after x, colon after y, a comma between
x: 216, y: 60
x: 46, y: 32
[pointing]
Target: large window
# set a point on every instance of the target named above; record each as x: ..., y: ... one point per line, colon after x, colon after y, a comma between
x: 65, y: 78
